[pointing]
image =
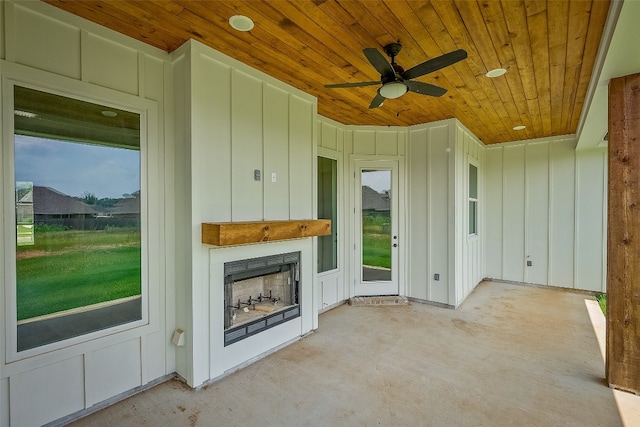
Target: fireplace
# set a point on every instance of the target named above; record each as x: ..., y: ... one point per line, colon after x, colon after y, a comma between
x: 260, y: 293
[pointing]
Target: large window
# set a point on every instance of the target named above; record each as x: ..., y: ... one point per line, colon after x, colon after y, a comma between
x: 78, y: 217
x: 473, y: 199
x: 328, y: 209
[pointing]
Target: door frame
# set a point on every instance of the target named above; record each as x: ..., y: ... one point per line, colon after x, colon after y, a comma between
x: 357, y: 164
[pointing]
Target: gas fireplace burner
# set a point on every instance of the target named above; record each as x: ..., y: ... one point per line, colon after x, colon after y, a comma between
x: 260, y: 293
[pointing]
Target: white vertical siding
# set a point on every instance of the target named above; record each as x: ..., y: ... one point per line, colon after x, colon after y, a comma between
x: 439, y: 245
x: 211, y: 127
x: 591, y: 219
x: 364, y: 142
x: 47, y: 393
x: 112, y: 370
x: 418, y: 276
x: 56, y: 43
x: 4, y: 382
x: 246, y: 147
x: 439, y: 156
x: 513, y: 214
x: 561, y: 213
x: 546, y: 203
x: 238, y: 120
x: 493, y: 190
x: 276, y: 153
x: 429, y: 242
x: 537, y: 213
x: 388, y: 143
x: 302, y: 162
x: 110, y: 64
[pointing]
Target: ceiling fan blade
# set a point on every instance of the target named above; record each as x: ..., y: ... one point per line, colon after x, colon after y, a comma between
x: 356, y: 84
x: 377, y: 101
x: 378, y: 61
x: 435, y: 64
x: 425, y: 88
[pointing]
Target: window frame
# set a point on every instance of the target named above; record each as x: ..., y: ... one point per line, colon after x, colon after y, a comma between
x: 473, y: 162
x: 330, y: 154
x: 16, y: 75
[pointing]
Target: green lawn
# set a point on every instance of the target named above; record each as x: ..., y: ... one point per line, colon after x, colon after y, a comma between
x: 70, y: 269
x: 376, y: 241
x: 602, y: 301
x: 376, y: 250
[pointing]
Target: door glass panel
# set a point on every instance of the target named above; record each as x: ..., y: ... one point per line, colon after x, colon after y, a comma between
x: 376, y: 225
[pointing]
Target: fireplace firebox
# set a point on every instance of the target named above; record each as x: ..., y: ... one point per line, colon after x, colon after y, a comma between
x: 260, y: 293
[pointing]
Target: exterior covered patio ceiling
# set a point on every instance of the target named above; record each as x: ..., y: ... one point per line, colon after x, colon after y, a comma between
x: 547, y: 47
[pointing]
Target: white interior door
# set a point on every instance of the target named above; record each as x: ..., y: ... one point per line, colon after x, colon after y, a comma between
x: 376, y: 227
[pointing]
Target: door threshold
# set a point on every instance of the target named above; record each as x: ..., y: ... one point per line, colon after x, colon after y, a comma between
x: 378, y: 301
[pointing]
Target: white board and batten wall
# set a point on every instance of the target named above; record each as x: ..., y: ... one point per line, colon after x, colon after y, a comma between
x: 546, y: 205
x: 245, y: 151
x: 438, y: 158
x: 45, y: 47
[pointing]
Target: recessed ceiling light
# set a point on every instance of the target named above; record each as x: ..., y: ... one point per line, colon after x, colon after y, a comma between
x: 495, y: 73
x: 241, y: 23
x: 109, y: 113
x: 26, y: 114
x: 521, y: 127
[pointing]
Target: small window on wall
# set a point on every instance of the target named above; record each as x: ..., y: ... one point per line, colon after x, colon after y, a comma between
x: 328, y: 209
x: 473, y: 199
x: 78, y: 224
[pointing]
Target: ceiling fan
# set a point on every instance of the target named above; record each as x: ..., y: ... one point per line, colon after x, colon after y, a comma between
x: 395, y: 80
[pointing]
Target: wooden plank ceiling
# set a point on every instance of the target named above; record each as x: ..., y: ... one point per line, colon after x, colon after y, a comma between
x: 547, y: 47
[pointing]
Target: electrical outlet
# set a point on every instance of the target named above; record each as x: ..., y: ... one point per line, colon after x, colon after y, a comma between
x: 529, y: 263
x: 436, y: 276
x: 256, y: 175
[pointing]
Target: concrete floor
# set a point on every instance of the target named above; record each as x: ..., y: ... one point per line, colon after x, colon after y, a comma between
x: 510, y: 355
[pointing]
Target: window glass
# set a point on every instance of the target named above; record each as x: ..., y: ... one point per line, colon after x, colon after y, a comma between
x: 472, y: 217
x: 78, y: 223
x: 473, y: 199
x: 473, y: 182
x: 328, y: 209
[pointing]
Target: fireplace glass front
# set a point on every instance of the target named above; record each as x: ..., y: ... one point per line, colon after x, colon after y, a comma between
x: 260, y: 293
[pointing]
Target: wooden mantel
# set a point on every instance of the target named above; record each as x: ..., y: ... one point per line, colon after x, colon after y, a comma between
x: 239, y: 233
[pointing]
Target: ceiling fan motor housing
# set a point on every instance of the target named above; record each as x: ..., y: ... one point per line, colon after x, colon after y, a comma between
x: 392, y: 49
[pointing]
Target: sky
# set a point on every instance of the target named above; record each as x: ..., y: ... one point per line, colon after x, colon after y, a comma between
x: 73, y: 168
x: 378, y: 180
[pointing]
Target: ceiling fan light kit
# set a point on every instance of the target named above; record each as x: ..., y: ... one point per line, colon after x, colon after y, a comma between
x: 395, y: 80
x: 393, y: 90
